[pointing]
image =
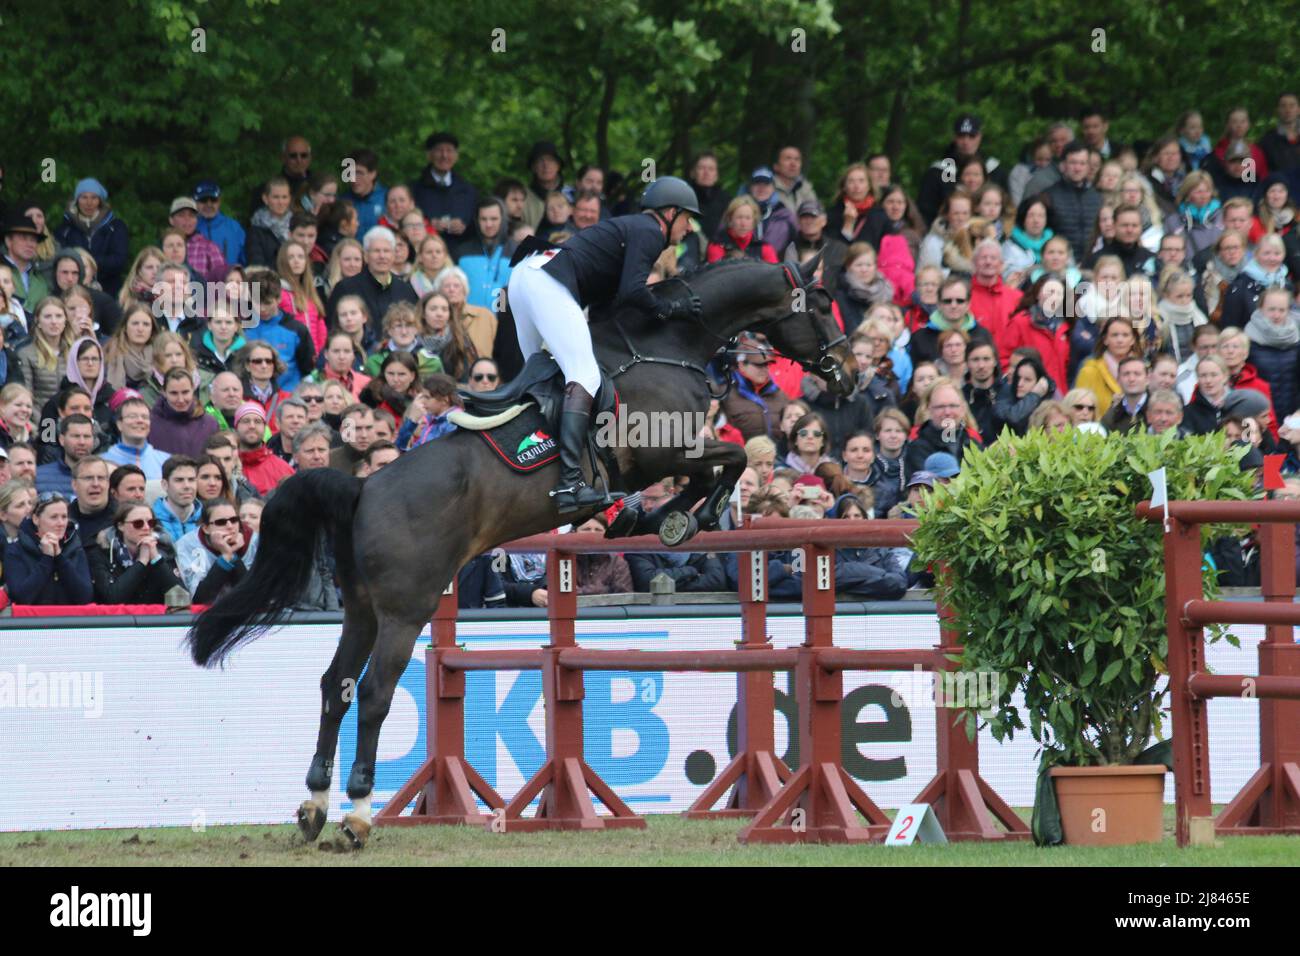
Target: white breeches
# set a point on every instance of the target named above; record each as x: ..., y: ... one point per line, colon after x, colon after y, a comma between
x: 544, y: 311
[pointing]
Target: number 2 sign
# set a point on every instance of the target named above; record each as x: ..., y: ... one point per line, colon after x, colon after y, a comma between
x: 915, y: 823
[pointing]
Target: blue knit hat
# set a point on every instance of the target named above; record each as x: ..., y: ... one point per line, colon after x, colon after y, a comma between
x: 90, y: 185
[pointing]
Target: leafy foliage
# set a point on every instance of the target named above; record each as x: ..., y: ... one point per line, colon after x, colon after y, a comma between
x: 1057, y: 585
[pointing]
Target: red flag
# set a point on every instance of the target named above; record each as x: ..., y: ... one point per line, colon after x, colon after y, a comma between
x: 1273, y: 472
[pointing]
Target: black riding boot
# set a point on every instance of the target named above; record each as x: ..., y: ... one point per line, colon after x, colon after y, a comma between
x: 572, y: 493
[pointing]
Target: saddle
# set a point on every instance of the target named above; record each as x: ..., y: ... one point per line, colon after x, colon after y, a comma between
x: 520, y: 419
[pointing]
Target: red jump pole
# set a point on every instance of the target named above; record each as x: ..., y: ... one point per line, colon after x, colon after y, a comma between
x: 966, y: 806
x: 1270, y: 800
x: 565, y: 781
x: 756, y: 773
x: 445, y: 783
x: 820, y: 802
x: 1186, y: 650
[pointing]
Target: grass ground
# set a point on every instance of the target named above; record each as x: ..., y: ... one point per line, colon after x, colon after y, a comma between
x: 668, y: 841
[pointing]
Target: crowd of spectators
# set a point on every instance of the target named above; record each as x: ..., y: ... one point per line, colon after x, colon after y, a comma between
x: 155, y: 392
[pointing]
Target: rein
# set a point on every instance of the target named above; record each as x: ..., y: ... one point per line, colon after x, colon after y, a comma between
x: 638, y: 359
x: 825, y: 366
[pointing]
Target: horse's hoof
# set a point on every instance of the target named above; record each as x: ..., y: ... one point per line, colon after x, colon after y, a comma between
x: 678, y: 526
x: 356, y: 830
x: 311, y: 820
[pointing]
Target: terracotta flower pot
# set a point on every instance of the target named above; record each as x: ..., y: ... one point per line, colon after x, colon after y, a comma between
x: 1111, y: 806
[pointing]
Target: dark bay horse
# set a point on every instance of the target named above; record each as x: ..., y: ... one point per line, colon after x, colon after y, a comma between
x: 400, y: 536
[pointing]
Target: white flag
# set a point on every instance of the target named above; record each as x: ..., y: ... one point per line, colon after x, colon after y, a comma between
x: 1160, y: 492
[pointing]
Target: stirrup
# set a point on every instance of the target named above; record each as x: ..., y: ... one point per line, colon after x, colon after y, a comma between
x: 570, y: 499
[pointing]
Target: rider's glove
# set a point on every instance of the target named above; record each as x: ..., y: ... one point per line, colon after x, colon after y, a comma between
x: 687, y: 308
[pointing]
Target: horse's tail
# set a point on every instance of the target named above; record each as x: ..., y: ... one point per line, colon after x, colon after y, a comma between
x: 303, y: 507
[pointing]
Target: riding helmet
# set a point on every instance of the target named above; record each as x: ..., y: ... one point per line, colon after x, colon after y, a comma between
x: 670, y: 191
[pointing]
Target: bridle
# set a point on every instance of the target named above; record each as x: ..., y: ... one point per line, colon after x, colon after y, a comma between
x: 826, y: 366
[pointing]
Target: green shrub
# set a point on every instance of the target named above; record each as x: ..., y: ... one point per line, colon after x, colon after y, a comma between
x: 1059, y: 588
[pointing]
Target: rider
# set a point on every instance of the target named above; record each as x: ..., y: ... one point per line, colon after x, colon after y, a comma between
x: 603, y: 265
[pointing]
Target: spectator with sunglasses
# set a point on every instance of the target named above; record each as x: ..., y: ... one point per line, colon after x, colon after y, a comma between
x: 484, y: 376
x: 47, y: 564
x: 214, y: 557
x: 809, y: 443
x: 130, y: 562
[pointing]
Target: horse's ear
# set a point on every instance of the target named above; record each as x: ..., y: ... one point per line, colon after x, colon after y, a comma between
x: 808, y: 270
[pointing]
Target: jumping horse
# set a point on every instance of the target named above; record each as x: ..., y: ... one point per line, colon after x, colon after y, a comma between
x: 400, y: 536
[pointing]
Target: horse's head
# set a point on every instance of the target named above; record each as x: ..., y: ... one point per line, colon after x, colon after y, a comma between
x: 808, y: 333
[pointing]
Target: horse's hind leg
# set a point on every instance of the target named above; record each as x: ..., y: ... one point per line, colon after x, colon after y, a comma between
x: 337, y: 688
x: 395, y: 641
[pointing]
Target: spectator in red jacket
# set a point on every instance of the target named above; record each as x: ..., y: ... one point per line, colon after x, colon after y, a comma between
x: 737, y: 238
x: 261, y: 467
x: 992, y: 301
x: 1040, y: 324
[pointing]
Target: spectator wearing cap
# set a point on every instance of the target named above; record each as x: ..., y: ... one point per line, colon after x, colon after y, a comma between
x: 261, y: 467
x: 376, y: 284
x: 546, y: 165
x: 90, y: 224
x: 776, y: 224
x: 368, y: 195
x: 968, y: 136
x: 215, y: 226
x: 201, y: 253
x: 791, y: 188
x: 21, y: 239
x: 47, y: 564
x: 755, y: 403
x: 738, y: 236
x: 446, y: 199
x: 133, y: 424
x: 942, y: 465
x: 811, y: 238
x: 1234, y: 175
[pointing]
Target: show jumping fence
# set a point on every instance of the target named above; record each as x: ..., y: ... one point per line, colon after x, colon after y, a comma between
x: 1269, y: 803
x: 817, y: 802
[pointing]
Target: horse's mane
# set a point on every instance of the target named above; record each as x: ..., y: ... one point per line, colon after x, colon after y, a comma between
x: 672, y: 289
